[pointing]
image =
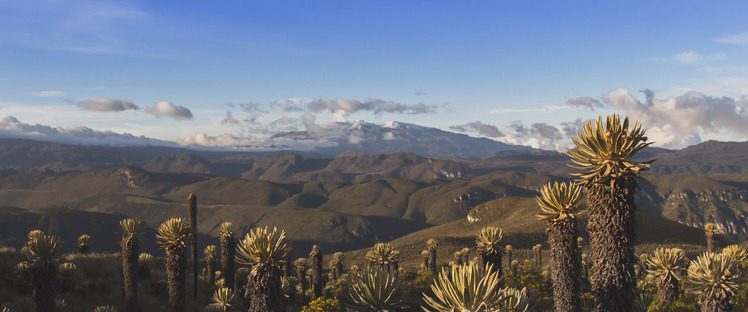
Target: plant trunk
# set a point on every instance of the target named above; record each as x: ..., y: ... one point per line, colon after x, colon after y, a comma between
x: 210, y: 264
x: 509, y: 260
x: 176, y: 263
x: 228, y: 246
x: 716, y: 304
x: 84, y: 249
x: 565, y: 263
x: 432, y: 260
x: 539, y: 256
x: 667, y: 290
x: 494, y: 260
x: 394, y: 268
x: 317, y: 281
x: 43, y: 280
x: 465, y: 258
x: 612, y: 224
x: 339, y: 269
x: 710, y: 244
x: 130, y: 253
x: 264, y: 291
x: 192, y: 209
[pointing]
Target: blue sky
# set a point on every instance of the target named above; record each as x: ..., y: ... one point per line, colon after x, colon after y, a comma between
x: 522, y: 72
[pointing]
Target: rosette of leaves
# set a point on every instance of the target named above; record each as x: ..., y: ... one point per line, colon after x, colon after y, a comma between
x: 376, y: 289
x: 714, y: 278
x: 84, y: 243
x: 380, y: 255
x: 463, y: 289
x: 221, y: 300
x: 665, y: 266
x: 604, y: 151
x: 68, y: 276
x: 263, y: 246
x: 105, y: 308
x: 735, y: 252
x: 489, y: 250
x: 516, y: 300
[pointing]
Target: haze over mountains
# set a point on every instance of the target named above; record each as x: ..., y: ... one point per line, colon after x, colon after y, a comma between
x: 344, y: 202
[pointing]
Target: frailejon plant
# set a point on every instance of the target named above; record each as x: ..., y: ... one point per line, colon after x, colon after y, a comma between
x: 714, y: 278
x: 666, y: 266
x: 558, y: 208
x: 489, y: 251
x: 318, y: 283
x: 509, y: 252
x: 84, y: 246
x: 603, y: 154
x: 710, y: 230
x: 228, y: 250
x: 431, y: 245
x: 192, y: 211
x: 463, y: 289
x: 130, y: 256
x: 174, y: 235
x: 44, y: 251
x: 336, y: 264
x: 210, y: 263
x: 376, y: 289
x: 537, y: 251
x: 301, y: 266
x: 144, y: 264
x: 264, y: 250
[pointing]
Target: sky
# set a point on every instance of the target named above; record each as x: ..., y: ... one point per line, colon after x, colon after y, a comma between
x: 225, y: 73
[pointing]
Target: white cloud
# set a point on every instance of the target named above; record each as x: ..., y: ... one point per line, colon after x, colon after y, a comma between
x: 164, y: 108
x: 689, y: 57
x: 50, y: 93
x: 107, y: 105
x: 679, y: 121
x: 736, y: 39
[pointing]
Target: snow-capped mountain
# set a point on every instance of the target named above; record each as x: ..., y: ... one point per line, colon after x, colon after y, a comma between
x: 389, y: 137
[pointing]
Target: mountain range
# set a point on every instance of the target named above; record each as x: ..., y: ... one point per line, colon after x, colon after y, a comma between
x: 345, y: 202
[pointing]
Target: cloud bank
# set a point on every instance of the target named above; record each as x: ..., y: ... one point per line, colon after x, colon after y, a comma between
x: 679, y: 121
x: 11, y: 127
x: 107, y: 105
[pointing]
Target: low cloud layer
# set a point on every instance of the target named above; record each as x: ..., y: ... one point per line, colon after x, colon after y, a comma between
x: 107, y: 105
x: 167, y: 109
x: 11, y: 127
